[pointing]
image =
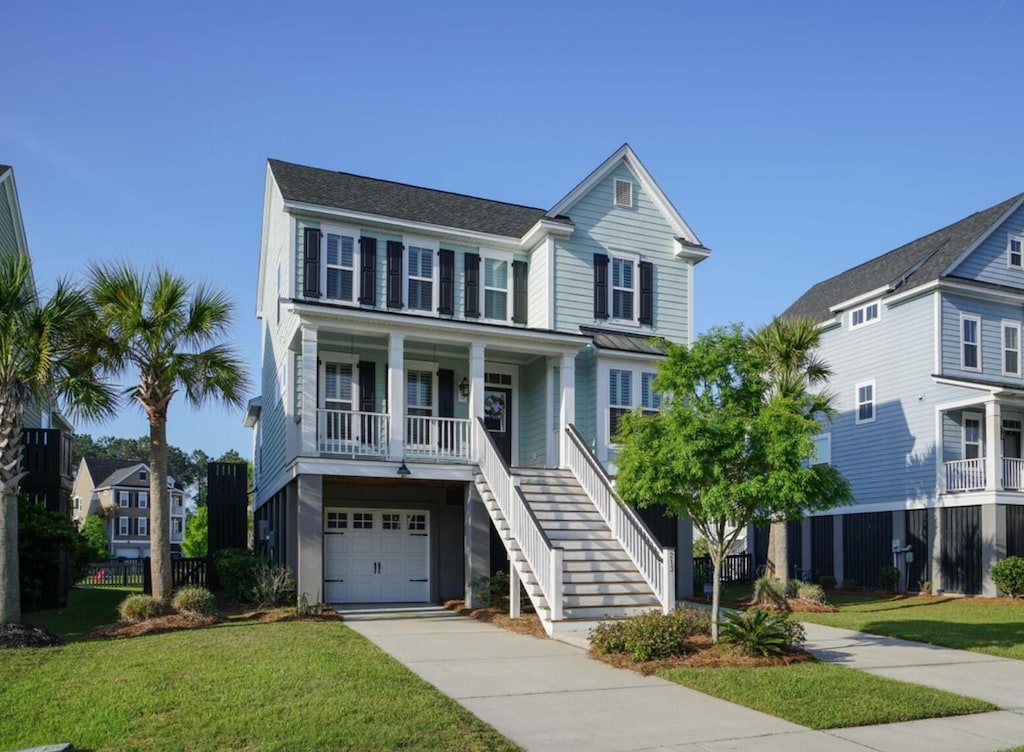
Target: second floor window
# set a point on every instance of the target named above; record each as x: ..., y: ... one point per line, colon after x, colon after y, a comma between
x: 620, y: 399
x: 123, y: 525
x: 972, y: 437
x: 123, y: 500
x: 143, y: 499
x: 143, y: 525
x: 1015, y: 251
x: 495, y: 289
x: 622, y: 288
x: 340, y: 266
x: 865, y: 402
x: 1011, y: 348
x: 971, y: 337
x: 649, y: 398
x: 421, y: 278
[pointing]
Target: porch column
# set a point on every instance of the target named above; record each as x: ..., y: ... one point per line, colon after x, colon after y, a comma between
x: 993, y: 447
x: 993, y: 544
x: 567, y: 412
x: 310, y: 417
x: 476, y: 388
x: 310, y: 535
x: 396, y: 394
x: 477, y: 543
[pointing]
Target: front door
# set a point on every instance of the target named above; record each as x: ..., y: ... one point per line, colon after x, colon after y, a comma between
x: 498, y: 418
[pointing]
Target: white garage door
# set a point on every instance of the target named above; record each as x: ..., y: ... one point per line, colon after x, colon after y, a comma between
x: 376, y: 556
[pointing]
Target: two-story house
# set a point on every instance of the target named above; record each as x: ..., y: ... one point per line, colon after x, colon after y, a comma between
x: 442, y: 376
x: 925, y: 345
x: 118, y: 491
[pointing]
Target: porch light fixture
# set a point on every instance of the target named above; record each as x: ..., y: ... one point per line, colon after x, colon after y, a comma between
x: 404, y: 470
x: 464, y: 387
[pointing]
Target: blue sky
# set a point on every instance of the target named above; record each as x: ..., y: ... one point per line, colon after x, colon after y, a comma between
x: 796, y: 138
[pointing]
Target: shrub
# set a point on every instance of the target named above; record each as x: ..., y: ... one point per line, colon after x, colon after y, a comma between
x: 827, y: 581
x: 807, y: 592
x: 141, y: 607
x: 236, y: 570
x: 194, y: 600
x: 1008, y: 576
x: 44, y: 539
x: 651, y: 635
x: 849, y: 585
x: 768, y: 592
x: 493, y: 591
x: 888, y: 578
x: 275, y: 585
x: 761, y: 633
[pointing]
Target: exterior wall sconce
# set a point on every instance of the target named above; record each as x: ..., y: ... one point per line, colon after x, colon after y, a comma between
x: 404, y: 470
x: 464, y: 388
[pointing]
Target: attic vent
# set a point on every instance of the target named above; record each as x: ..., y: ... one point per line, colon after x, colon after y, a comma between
x: 623, y: 193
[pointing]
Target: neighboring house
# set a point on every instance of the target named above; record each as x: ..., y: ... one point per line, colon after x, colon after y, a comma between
x: 118, y: 491
x: 925, y: 346
x: 46, y: 434
x: 418, y: 343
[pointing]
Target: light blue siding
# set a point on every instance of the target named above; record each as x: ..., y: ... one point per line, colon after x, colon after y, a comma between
x: 586, y: 395
x: 992, y: 315
x: 532, y: 413
x: 272, y: 415
x: 988, y: 262
x: 602, y: 227
x: 537, y: 297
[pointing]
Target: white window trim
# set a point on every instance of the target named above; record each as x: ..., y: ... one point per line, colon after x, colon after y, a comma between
x: 124, y: 526
x: 981, y: 434
x: 864, y: 309
x: 857, y: 403
x: 433, y: 246
x: 1009, y: 241
x: 634, y: 260
x: 356, y: 261
x: 615, y: 193
x: 826, y: 437
x: 482, y: 303
x: 963, y: 342
x: 123, y: 500
x: 329, y: 357
x: 143, y: 498
x: 142, y: 526
x: 1007, y: 324
x: 640, y: 402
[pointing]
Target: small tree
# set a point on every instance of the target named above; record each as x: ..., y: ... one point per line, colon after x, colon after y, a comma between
x: 196, y: 543
x: 95, y: 532
x: 720, y: 452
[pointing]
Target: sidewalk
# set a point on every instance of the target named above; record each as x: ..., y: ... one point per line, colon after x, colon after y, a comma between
x: 546, y: 695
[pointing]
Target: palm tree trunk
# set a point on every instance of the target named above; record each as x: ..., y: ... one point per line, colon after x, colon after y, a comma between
x: 10, y: 477
x: 159, y: 524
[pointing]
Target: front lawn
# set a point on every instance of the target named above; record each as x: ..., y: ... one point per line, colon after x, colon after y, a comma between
x: 996, y: 628
x: 87, y: 608
x: 823, y: 695
x: 240, y: 685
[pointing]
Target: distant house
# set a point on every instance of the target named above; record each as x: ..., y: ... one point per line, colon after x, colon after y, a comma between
x: 442, y: 379
x: 118, y: 491
x: 925, y: 345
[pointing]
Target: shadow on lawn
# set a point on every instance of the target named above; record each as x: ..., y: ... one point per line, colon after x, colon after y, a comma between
x: 1008, y: 636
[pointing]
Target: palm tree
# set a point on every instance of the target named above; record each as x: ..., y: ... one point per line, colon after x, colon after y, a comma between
x: 788, y: 347
x: 167, y: 331
x: 40, y: 361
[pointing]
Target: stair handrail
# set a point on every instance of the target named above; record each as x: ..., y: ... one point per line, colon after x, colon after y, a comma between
x: 655, y: 562
x: 542, y: 558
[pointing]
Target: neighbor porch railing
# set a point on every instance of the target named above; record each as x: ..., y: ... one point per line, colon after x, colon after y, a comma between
x: 544, y: 560
x: 427, y: 437
x: 655, y: 563
x: 1013, y: 474
x: 353, y: 432
x: 965, y: 475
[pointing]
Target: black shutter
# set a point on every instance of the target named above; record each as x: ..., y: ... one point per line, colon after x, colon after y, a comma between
x: 395, y: 257
x: 311, y: 262
x: 472, y: 286
x: 446, y: 298
x: 600, y: 286
x: 646, y: 292
x: 368, y: 271
x: 367, y: 386
x: 445, y: 393
x: 519, y: 269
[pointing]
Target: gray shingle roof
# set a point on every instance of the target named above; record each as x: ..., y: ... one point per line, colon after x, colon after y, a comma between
x: 343, y: 190
x: 606, y: 339
x: 105, y: 472
x: 916, y: 263
x: 4, y: 168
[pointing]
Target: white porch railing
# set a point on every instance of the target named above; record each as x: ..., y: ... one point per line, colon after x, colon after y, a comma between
x: 427, y: 437
x: 965, y: 475
x: 1013, y: 474
x: 544, y: 560
x: 655, y: 563
x: 353, y: 432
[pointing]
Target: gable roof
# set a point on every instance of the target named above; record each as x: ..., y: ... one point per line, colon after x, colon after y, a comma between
x: 106, y: 473
x: 343, y: 190
x: 921, y: 261
x: 4, y: 168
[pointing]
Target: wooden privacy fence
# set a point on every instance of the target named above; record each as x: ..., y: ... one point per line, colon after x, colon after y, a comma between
x: 183, y: 572
x: 127, y: 573
x: 736, y: 569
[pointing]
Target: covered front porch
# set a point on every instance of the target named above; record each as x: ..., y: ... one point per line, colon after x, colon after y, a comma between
x: 981, y: 444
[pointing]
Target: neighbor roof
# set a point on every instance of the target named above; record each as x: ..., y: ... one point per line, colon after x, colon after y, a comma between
x: 106, y: 473
x: 343, y: 190
x: 916, y: 263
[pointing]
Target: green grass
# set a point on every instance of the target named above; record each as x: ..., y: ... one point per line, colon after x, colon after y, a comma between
x: 823, y: 695
x: 993, y: 628
x: 87, y: 608
x: 239, y: 686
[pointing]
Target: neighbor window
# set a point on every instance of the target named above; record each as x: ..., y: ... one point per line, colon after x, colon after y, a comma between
x: 143, y: 499
x: 865, y: 394
x: 142, y: 525
x: 623, y: 288
x: 176, y: 526
x: 649, y: 398
x: 866, y: 314
x: 822, y: 454
x: 123, y: 500
x: 122, y: 525
x: 620, y: 398
x: 496, y: 289
x: 339, y: 266
x: 970, y: 328
x: 1015, y: 251
x: 1011, y: 348
x: 623, y: 193
x: 421, y: 278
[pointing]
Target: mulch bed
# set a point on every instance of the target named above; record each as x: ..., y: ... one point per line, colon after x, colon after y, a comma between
x: 24, y: 636
x: 156, y: 625
x: 704, y: 655
x: 527, y: 624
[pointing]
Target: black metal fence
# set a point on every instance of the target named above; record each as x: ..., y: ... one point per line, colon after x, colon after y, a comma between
x: 183, y: 572
x: 737, y: 569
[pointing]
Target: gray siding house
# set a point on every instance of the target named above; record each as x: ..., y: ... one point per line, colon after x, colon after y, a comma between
x: 441, y: 378
x: 925, y: 345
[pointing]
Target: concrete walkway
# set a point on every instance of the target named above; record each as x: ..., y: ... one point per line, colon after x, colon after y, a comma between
x: 547, y: 695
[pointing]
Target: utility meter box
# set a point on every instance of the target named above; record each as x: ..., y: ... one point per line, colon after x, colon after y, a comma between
x: 897, y: 545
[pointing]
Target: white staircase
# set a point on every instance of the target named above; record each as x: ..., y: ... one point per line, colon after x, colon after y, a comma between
x: 581, y: 556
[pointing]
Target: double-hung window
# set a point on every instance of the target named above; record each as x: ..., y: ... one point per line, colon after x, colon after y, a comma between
x: 143, y: 499
x: 1015, y: 251
x: 865, y: 396
x: 970, y: 333
x: 620, y: 398
x: 1011, y: 348
x: 338, y: 392
x: 649, y: 398
x: 123, y: 500
x: 972, y: 436
x: 419, y: 401
x: 421, y: 278
x: 340, y: 265
x: 142, y: 525
x: 496, y: 274
x: 123, y: 525
x: 623, y: 288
